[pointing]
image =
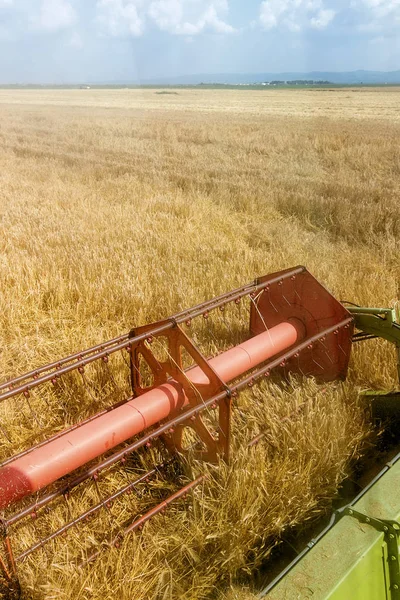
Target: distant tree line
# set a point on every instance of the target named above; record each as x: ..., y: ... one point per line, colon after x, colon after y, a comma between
x: 300, y: 82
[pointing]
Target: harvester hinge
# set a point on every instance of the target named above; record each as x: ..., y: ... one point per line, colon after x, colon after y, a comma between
x: 378, y: 322
x: 391, y: 531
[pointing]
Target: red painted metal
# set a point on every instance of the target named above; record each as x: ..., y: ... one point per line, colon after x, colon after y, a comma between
x: 52, y: 372
x: 141, y: 521
x: 286, y: 358
x: 89, y: 513
x: 296, y: 326
x: 256, y: 350
x: 46, y: 464
x: 301, y: 296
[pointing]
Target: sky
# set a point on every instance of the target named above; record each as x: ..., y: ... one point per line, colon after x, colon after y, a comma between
x: 72, y: 41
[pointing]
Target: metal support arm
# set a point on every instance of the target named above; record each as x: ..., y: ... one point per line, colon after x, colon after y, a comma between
x: 377, y: 322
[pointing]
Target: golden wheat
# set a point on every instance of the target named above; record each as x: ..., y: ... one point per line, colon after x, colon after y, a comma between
x: 118, y: 208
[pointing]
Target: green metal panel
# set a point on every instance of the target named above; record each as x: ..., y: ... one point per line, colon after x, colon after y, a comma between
x: 353, y: 560
x: 378, y: 322
x: 358, y: 559
x: 368, y: 577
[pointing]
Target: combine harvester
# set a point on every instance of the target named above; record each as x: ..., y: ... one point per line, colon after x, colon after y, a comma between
x: 179, y: 403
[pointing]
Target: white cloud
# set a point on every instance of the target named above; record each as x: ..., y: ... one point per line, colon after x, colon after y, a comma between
x: 54, y: 15
x: 218, y: 25
x: 376, y: 15
x: 208, y: 20
x: 295, y: 14
x: 168, y: 14
x: 323, y: 18
x: 179, y: 17
x: 271, y: 11
x: 120, y: 17
x: 380, y: 8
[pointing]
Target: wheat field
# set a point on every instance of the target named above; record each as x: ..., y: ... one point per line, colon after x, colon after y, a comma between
x: 121, y: 207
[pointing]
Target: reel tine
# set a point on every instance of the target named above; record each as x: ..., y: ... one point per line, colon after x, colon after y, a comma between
x: 5, y: 434
x: 33, y: 412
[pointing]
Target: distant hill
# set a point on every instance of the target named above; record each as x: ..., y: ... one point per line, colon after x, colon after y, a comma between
x: 211, y: 79
x: 350, y: 77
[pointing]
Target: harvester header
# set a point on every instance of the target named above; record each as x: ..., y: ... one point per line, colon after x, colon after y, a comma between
x: 180, y: 398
